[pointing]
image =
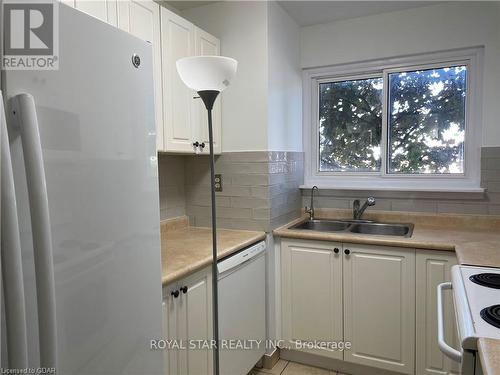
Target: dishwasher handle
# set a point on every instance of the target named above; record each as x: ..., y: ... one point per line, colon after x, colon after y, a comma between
x: 237, y: 260
x: 446, y: 349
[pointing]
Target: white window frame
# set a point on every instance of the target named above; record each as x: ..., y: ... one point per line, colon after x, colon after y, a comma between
x: 469, y: 181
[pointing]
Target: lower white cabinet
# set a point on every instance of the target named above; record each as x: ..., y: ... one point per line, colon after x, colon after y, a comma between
x: 433, y: 268
x: 380, y: 299
x: 379, y: 306
x: 312, y: 294
x: 170, y: 312
x: 188, y: 318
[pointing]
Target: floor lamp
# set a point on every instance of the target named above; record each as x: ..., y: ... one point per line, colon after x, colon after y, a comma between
x: 208, y: 76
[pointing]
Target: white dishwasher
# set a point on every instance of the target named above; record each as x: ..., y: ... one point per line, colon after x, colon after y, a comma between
x: 242, y: 309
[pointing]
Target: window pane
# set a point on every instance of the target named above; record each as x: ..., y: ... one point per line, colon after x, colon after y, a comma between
x: 427, y: 121
x: 350, y: 125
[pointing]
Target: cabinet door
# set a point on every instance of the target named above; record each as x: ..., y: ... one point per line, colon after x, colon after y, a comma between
x: 311, y: 294
x: 433, y: 268
x: 379, y: 306
x: 105, y: 10
x: 170, y: 330
x: 206, y: 45
x: 195, y: 322
x: 142, y: 19
x: 177, y: 41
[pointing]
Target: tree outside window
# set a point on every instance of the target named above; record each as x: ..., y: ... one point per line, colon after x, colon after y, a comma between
x: 425, y: 123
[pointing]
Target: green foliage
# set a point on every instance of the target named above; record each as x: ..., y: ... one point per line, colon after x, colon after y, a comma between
x: 350, y: 116
x: 426, y: 122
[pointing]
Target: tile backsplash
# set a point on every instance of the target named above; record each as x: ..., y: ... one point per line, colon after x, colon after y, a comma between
x: 171, y: 185
x: 261, y: 190
x: 432, y: 202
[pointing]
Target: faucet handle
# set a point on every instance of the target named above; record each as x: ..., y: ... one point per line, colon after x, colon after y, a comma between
x: 371, y: 201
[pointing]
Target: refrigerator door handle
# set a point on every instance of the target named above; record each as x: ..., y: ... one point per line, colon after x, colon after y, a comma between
x: 23, y: 112
x: 15, y: 311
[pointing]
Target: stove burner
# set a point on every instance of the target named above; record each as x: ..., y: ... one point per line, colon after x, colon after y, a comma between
x: 490, y: 280
x: 492, y: 315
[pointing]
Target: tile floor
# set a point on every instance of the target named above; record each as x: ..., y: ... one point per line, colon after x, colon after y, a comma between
x: 292, y: 368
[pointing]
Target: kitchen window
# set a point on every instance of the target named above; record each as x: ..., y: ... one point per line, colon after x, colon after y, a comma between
x: 350, y: 125
x: 407, y: 124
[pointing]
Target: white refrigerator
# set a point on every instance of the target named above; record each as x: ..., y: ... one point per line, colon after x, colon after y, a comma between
x: 80, y: 213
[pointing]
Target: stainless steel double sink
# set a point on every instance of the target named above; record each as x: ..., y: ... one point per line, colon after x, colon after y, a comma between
x: 357, y: 226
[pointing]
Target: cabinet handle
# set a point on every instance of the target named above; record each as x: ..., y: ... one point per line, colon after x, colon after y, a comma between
x: 175, y: 293
x: 336, y: 250
x: 202, y: 145
x: 196, y: 144
x: 347, y: 251
x: 184, y: 289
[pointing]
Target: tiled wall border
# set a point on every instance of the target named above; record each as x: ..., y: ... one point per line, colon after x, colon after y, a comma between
x: 261, y: 190
x: 455, y: 203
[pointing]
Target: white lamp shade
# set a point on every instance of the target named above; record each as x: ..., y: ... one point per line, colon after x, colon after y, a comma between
x: 202, y: 73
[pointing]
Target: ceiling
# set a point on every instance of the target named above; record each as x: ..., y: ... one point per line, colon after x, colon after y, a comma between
x: 307, y: 13
x: 187, y: 4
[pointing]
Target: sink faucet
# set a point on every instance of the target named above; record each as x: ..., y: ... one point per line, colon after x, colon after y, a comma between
x: 357, y: 212
x: 310, y: 210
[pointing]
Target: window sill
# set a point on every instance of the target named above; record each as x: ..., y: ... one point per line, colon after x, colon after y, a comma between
x: 471, y: 190
x: 399, y: 192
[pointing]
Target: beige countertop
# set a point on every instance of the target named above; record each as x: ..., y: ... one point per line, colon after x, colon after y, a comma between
x: 489, y: 355
x: 475, y: 239
x: 186, y: 249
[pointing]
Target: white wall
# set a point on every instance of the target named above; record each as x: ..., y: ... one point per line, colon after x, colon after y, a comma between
x: 242, y: 29
x: 285, y: 82
x: 426, y: 29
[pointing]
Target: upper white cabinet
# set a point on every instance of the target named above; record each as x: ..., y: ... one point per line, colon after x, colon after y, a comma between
x: 185, y: 117
x: 177, y: 41
x: 207, y: 45
x: 312, y: 293
x: 180, y: 116
x: 379, y: 306
x: 142, y: 19
x: 433, y: 268
x: 105, y: 10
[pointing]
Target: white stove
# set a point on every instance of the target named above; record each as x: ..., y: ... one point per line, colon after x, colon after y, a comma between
x: 476, y: 294
x: 471, y: 299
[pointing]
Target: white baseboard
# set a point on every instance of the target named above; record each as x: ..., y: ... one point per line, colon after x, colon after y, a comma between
x: 331, y: 364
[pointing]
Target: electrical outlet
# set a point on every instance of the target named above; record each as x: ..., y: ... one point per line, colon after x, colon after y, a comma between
x: 218, y: 182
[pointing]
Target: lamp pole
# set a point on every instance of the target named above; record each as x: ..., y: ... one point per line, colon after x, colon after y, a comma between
x: 208, y: 76
x: 208, y: 97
